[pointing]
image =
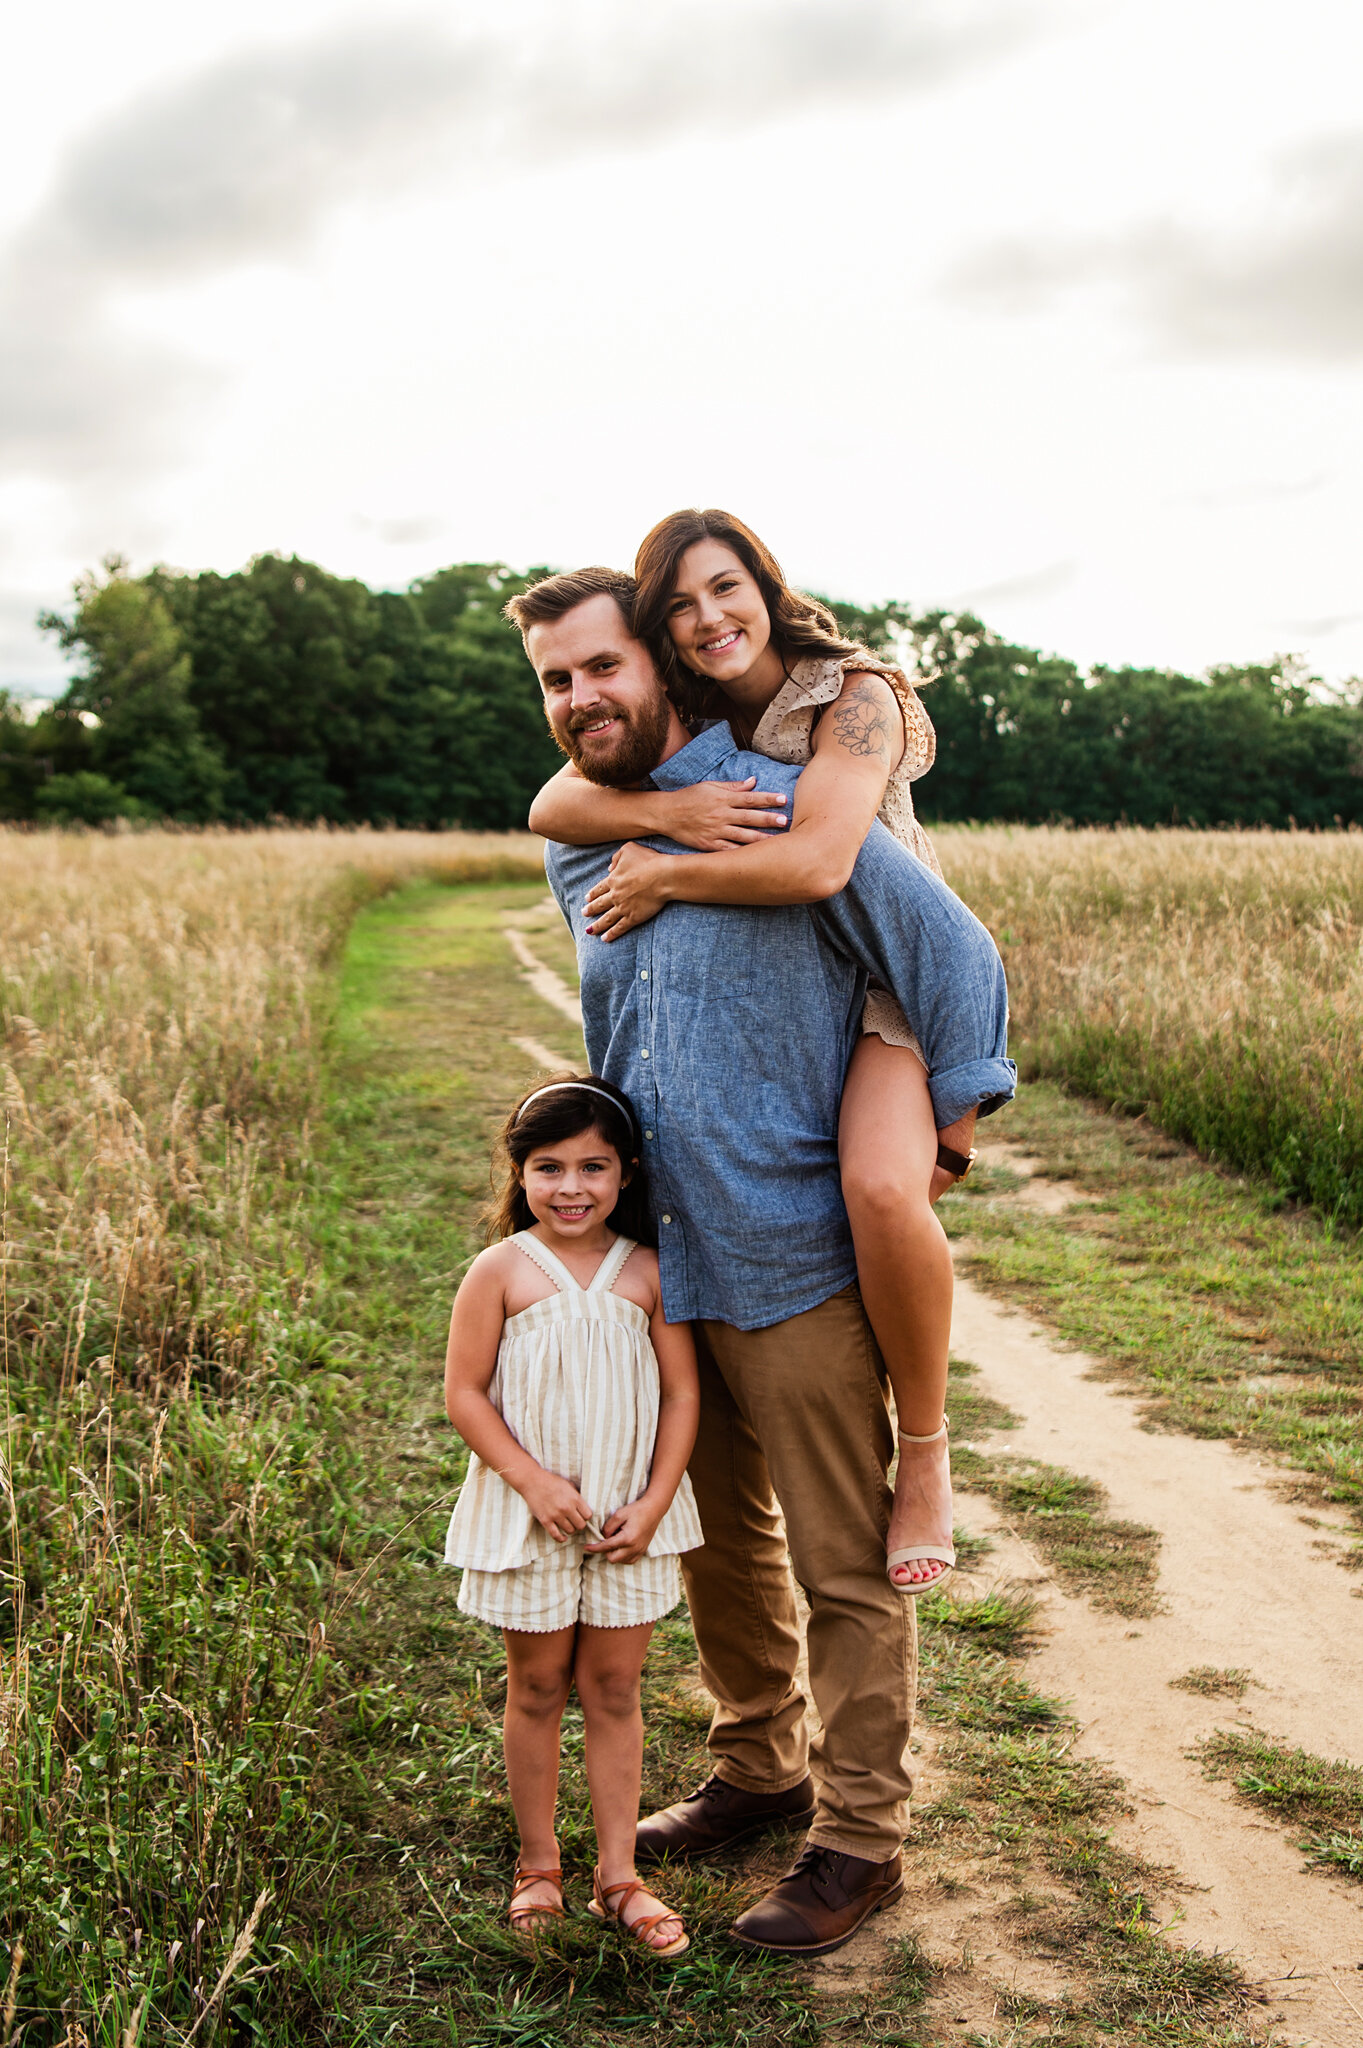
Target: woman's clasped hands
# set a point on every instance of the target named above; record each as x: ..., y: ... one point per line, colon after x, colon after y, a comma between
x: 708, y: 817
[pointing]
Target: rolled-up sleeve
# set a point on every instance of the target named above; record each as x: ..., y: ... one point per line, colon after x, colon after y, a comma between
x: 913, y: 934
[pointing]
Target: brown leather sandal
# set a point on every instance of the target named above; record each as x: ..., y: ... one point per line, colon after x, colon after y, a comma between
x: 521, y: 1918
x: 601, y: 1908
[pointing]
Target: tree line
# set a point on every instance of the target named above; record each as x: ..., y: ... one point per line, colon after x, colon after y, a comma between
x: 281, y: 691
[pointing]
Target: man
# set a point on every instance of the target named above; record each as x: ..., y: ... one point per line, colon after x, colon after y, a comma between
x: 730, y: 1029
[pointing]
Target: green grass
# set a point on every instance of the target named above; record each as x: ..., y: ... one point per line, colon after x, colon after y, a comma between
x: 353, y: 1778
x: 1325, y: 1799
x: 423, y: 1074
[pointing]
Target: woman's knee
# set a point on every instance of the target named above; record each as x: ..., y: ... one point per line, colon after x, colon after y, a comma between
x: 886, y: 1193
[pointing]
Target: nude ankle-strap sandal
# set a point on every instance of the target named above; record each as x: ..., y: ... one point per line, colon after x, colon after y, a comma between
x: 609, y: 1901
x: 522, y: 1918
x: 918, y: 1551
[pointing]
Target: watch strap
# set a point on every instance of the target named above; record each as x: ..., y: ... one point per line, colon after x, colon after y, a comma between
x: 957, y: 1163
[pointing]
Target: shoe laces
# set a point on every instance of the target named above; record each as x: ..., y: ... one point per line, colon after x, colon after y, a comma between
x: 819, y: 1864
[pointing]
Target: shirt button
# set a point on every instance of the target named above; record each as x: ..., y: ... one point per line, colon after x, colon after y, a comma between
x: 644, y: 1054
x: 648, y: 1134
x: 667, y: 1219
x: 643, y: 974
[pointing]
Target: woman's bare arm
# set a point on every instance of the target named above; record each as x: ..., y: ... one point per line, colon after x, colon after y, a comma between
x: 857, y: 744
x: 707, y: 816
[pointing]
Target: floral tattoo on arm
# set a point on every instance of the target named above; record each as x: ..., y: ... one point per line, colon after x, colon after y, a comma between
x: 859, y: 725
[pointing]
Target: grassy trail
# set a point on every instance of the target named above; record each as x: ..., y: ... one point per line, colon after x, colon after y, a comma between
x: 431, y: 1004
x: 425, y: 1065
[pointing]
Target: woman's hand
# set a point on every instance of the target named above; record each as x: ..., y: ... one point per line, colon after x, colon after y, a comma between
x: 555, y: 1503
x: 713, y: 815
x: 628, y: 1532
x: 632, y: 893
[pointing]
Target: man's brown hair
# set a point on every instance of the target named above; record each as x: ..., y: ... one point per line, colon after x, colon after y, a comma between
x: 554, y: 596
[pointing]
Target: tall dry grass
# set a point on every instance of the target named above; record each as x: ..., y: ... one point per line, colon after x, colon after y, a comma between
x: 176, y: 1489
x: 1213, y: 980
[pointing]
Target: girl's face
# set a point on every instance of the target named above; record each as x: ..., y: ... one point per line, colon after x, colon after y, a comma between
x: 572, y: 1185
x: 716, y: 615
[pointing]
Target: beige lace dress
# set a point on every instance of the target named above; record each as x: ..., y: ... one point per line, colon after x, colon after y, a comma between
x: 786, y: 732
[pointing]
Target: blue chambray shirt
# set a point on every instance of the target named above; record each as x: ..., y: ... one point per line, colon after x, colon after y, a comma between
x: 730, y: 1030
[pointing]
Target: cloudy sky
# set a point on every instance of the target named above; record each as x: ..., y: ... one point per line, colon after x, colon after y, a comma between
x: 1054, y: 307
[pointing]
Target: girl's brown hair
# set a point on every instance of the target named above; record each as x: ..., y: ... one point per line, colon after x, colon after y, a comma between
x: 573, y: 1103
x: 799, y: 624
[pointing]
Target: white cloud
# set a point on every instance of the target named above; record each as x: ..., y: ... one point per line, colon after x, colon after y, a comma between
x: 1288, y: 286
x: 242, y: 160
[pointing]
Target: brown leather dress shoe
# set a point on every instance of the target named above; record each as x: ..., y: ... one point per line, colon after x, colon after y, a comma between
x: 819, y: 1904
x: 716, y: 1816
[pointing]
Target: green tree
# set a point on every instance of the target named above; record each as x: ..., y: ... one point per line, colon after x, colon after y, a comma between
x: 1025, y: 736
x: 19, y: 768
x: 132, y: 695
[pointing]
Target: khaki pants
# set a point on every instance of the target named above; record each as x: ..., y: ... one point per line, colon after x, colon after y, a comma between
x: 799, y: 1412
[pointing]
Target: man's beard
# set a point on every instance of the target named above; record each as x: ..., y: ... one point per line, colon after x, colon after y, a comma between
x: 642, y: 735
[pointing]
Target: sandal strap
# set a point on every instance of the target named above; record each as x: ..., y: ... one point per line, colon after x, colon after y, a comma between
x: 640, y: 1928
x: 630, y: 1886
x: 521, y: 1882
x: 605, y: 1892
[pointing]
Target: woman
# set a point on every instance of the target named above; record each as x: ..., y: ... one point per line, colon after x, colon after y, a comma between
x: 733, y: 640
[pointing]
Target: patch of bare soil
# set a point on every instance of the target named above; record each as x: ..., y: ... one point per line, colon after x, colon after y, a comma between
x: 1242, y: 1585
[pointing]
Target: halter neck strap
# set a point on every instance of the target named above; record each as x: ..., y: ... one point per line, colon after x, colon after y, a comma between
x: 602, y: 1280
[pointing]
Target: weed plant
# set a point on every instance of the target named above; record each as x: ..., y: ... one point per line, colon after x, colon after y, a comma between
x: 1210, y: 980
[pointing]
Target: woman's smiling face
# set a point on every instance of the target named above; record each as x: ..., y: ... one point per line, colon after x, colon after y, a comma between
x: 716, y: 614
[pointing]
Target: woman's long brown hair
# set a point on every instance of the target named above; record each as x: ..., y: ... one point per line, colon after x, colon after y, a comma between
x: 799, y: 624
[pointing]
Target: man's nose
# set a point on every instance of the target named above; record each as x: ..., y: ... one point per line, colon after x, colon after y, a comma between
x: 585, y: 693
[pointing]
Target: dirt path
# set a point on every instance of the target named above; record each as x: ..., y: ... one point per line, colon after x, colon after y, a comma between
x: 1245, y: 1582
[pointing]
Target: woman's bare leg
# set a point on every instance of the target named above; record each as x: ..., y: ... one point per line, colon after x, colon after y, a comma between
x: 539, y: 1670
x: 609, y: 1664
x: 887, y: 1143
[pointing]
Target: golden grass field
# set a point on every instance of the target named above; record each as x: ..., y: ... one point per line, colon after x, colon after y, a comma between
x: 1211, y: 979
x: 164, y: 1007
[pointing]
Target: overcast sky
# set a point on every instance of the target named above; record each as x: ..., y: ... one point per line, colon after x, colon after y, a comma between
x: 1054, y: 307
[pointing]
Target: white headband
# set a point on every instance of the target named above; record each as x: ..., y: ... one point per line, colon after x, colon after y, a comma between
x: 590, y: 1088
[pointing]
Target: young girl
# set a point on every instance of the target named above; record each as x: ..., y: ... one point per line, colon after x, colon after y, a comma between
x: 733, y: 640
x: 579, y: 1404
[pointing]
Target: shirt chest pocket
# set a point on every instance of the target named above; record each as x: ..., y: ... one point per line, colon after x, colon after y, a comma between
x: 716, y: 950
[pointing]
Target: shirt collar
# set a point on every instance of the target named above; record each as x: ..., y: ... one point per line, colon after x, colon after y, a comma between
x: 697, y: 760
